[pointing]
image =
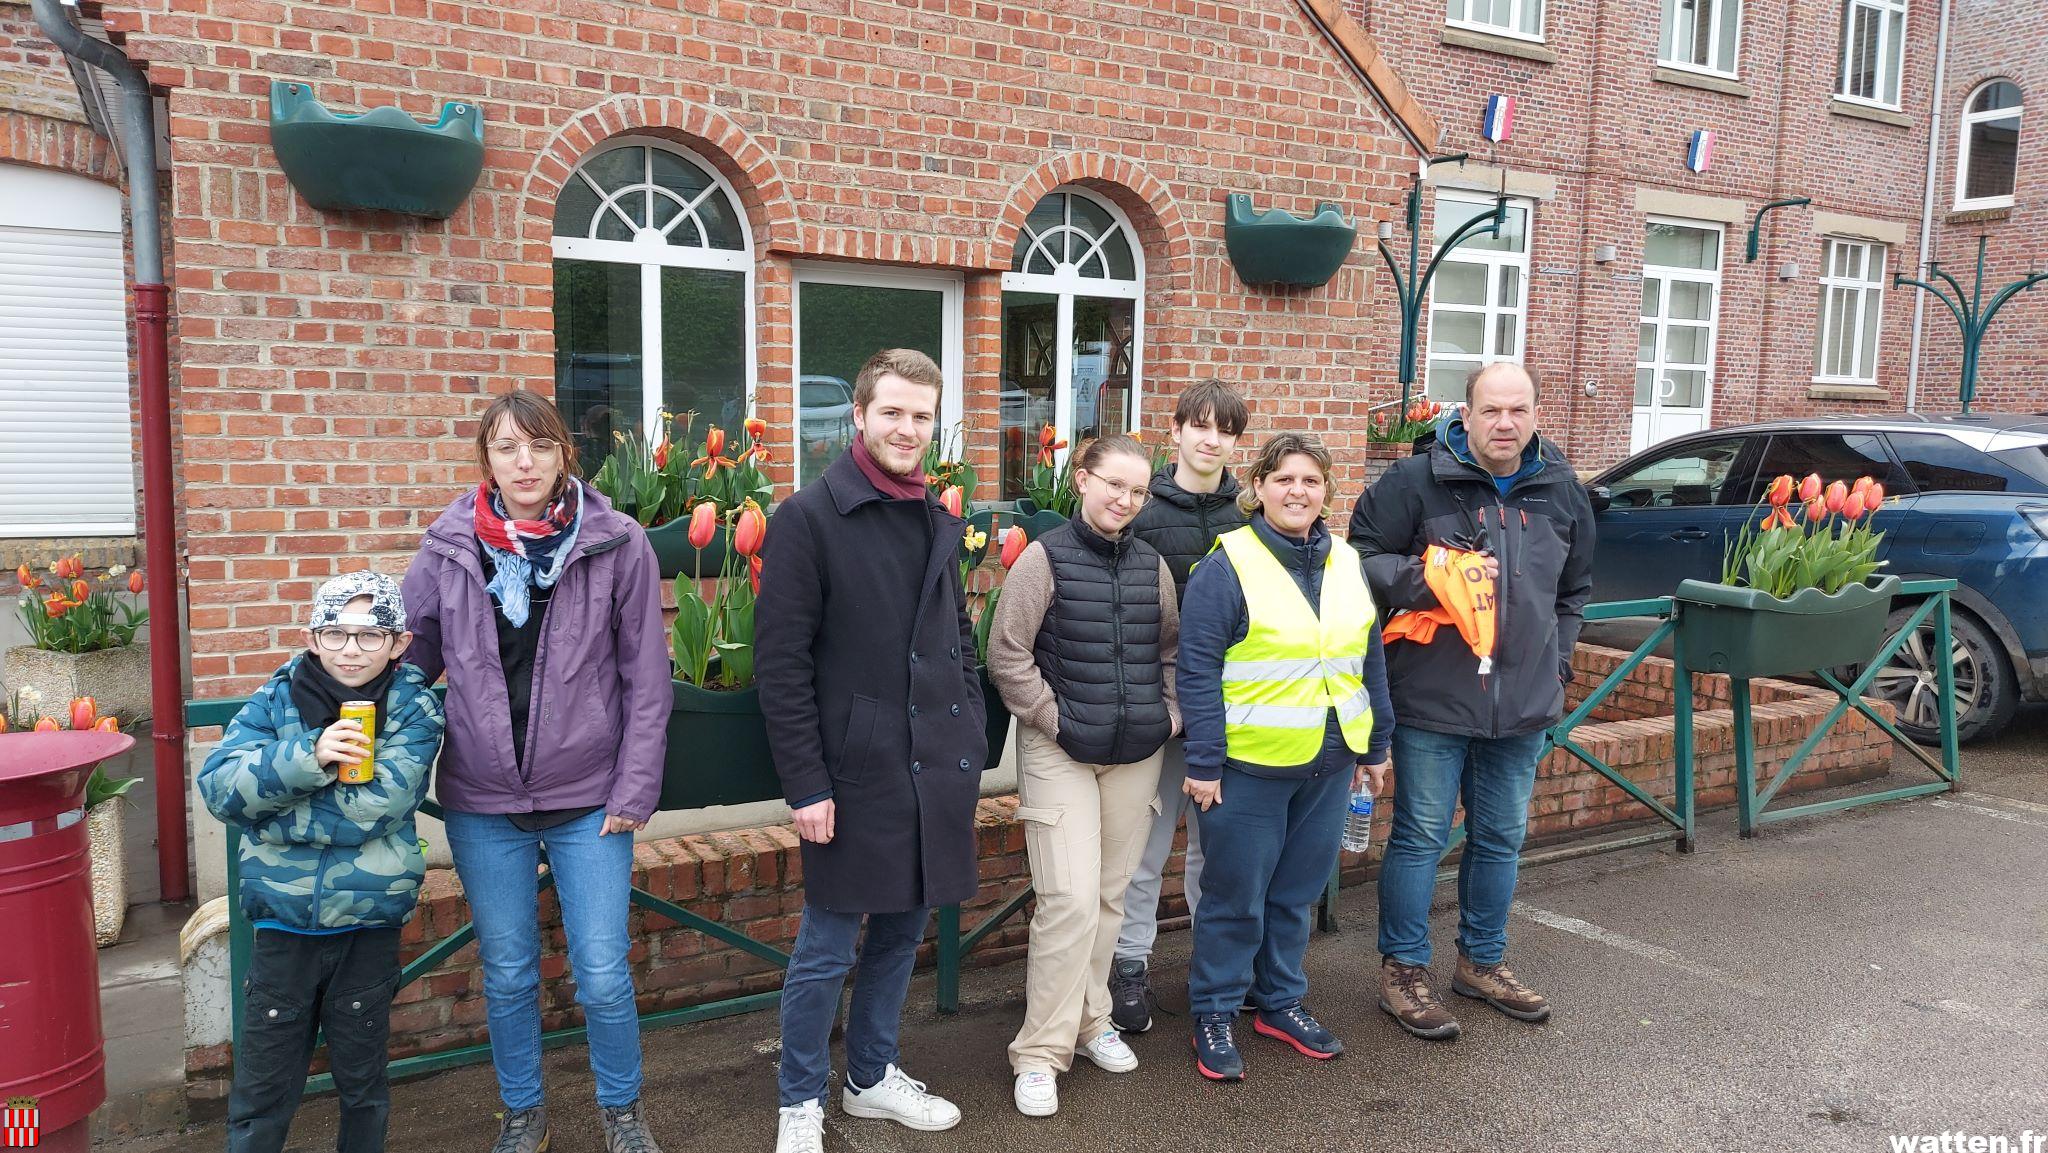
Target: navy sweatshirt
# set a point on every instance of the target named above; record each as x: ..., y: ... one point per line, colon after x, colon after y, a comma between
x: 1213, y: 618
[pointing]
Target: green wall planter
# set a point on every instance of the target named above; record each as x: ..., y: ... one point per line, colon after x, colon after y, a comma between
x: 380, y: 160
x: 1747, y: 633
x: 718, y: 746
x: 1036, y: 521
x: 672, y: 550
x: 1277, y: 247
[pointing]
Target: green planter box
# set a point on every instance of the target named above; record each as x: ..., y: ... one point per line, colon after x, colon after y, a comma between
x: 1036, y: 521
x: 718, y: 746
x: 672, y: 550
x: 380, y: 160
x: 1277, y: 247
x: 1746, y: 633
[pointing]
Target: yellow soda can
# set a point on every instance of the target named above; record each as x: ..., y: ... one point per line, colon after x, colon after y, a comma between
x: 365, y: 770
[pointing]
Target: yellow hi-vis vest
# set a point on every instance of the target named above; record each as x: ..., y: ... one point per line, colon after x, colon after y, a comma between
x: 1292, y: 667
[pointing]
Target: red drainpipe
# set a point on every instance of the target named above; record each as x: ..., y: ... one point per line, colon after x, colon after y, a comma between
x: 166, y: 623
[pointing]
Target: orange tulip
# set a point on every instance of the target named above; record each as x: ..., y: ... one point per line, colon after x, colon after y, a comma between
x: 661, y: 455
x: 108, y: 725
x: 85, y: 713
x: 135, y: 583
x: 752, y: 528
x: 714, y: 442
x: 1780, y: 492
x: 1862, y: 482
x: 56, y: 606
x: 754, y: 573
x: 951, y: 499
x: 1809, y: 488
x: 3, y: 724
x: 1873, y: 496
x: 1048, y: 444
x: 74, y: 567
x: 1816, y: 511
x: 26, y: 576
x: 756, y: 428
x: 1852, y: 506
x: 1014, y: 541
x: 703, y: 523
x: 1835, y: 495
x: 80, y: 590
x: 47, y: 725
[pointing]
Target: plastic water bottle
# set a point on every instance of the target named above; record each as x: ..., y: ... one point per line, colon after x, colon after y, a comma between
x: 1358, y: 822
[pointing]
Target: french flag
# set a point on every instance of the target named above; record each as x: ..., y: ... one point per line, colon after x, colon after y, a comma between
x: 1500, y: 118
x: 1701, y: 153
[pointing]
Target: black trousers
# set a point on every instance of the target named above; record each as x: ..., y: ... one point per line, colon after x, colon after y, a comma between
x: 299, y: 987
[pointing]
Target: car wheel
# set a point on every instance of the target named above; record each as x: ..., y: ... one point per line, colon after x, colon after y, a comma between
x: 1986, y: 693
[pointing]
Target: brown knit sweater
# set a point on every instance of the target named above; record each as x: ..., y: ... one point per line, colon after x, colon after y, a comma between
x: 1020, y: 611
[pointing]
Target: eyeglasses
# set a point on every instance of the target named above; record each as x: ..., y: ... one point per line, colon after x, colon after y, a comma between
x: 368, y: 640
x: 509, y: 449
x: 1118, y: 490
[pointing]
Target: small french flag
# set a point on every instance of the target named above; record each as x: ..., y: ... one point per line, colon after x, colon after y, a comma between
x: 1701, y: 153
x: 1500, y: 118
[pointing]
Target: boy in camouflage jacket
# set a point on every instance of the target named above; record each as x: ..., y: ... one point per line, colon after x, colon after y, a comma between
x: 329, y: 871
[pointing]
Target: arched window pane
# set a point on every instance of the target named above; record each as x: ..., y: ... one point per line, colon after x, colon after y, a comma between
x: 678, y: 175
x: 617, y: 169
x: 1122, y: 266
x: 1091, y: 218
x: 2001, y: 94
x: 574, y: 208
x: 650, y: 188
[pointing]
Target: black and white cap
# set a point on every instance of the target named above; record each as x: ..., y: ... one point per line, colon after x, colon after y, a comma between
x: 387, y: 607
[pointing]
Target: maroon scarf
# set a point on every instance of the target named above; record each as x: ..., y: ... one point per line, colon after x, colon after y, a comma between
x: 888, y: 484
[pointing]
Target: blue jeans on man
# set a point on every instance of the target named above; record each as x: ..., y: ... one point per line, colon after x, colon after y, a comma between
x: 827, y: 947
x: 593, y: 877
x: 1495, y: 778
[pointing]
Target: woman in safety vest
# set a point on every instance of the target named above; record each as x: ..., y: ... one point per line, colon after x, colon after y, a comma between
x: 1283, y: 693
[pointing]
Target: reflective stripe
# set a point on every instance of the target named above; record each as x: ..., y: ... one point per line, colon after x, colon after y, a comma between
x: 1356, y: 705
x: 1276, y: 716
x: 1305, y: 668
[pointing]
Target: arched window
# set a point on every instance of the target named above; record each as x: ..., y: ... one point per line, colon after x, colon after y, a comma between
x: 654, y: 289
x: 1988, y: 153
x: 1073, y: 315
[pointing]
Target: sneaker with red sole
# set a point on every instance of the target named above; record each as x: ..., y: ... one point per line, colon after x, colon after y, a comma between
x: 1296, y: 1027
x: 1215, y: 1051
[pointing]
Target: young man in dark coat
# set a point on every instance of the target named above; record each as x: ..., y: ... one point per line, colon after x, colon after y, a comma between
x: 865, y: 661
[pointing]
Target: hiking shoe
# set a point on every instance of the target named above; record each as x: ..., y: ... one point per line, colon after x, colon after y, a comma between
x: 1297, y: 1028
x: 625, y: 1130
x: 801, y: 1128
x: 523, y: 1131
x: 1130, y: 996
x: 1215, y: 1052
x: 1110, y: 1054
x: 1498, y: 987
x: 1405, y: 993
x: 1036, y: 1094
x: 898, y: 1098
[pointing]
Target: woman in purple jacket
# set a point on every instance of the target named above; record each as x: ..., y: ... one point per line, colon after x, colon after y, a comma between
x: 543, y: 606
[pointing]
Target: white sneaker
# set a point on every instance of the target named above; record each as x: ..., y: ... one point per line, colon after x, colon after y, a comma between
x: 801, y: 1128
x: 1037, y: 1094
x: 1110, y: 1054
x: 902, y: 1100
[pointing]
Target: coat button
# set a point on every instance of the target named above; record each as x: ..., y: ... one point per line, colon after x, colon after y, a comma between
x: 355, y: 1004
x: 913, y: 657
x: 913, y: 710
x: 917, y: 766
x: 273, y: 1012
x: 956, y: 710
x: 964, y: 764
x: 954, y: 652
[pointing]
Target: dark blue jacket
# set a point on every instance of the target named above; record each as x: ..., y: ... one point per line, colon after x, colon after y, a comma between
x: 1213, y: 618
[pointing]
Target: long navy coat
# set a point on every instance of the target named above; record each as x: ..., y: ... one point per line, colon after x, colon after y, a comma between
x: 866, y: 664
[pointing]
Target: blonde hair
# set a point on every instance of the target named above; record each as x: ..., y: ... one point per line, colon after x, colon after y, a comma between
x: 1277, y: 448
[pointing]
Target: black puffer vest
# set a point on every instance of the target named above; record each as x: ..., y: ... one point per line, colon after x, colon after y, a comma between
x: 1184, y: 525
x: 1099, y: 645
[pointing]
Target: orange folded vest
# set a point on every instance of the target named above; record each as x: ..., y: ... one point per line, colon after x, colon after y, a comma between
x: 1466, y: 599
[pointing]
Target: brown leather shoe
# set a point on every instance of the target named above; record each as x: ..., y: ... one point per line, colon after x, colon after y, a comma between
x: 1498, y: 987
x: 1406, y: 995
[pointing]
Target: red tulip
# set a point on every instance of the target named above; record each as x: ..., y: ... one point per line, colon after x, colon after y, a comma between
x: 760, y: 455
x: 1852, y: 506
x: 1873, y: 496
x: 1835, y: 495
x: 1780, y: 492
x: 756, y: 428
x: 135, y: 583
x: 85, y: 713
x: 754, y: 573
x: 108, y: 725
x: 80, y: 590
x: 714, y: 442
x: 703, y: 523
x: 47, y: 725
x: 3, y: 724
x: 1810, y: 487
x: 1014, y: 541
x: 951, y: 499
x: 56, y: 606
x: 1048, y: 445
x: 750, y: 531
x: 661, y: 455
x: 1816, y: 511
x: 74, y: 567
x: 1862, y: 482
x: 26, y: 576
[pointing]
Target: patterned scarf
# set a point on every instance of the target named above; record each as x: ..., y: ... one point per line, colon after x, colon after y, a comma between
x: 527, y: 552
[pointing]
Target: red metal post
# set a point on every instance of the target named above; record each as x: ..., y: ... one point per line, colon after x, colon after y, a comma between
x: 166, y: 620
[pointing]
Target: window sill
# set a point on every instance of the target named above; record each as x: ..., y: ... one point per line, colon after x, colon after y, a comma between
x: 1873, y: 393
x: 1980, y: 214
x: 1727, y: 85
x: 1503, y: 45
x: 1854, y: 111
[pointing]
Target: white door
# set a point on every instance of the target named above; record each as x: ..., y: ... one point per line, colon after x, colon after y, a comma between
x: 1675, y: 342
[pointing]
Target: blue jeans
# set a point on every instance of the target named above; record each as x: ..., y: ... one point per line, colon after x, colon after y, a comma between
x: 818, y: 966
x: 1268, y: 849
x: 498, y: 864
x: 1431, y: 771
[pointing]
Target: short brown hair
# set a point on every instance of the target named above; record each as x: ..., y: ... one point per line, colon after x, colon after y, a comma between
x: 1222, y: 404
x: 537, y: 417
x: 1091, y: 454
x: 908, y: 363
x: 1278, y: 448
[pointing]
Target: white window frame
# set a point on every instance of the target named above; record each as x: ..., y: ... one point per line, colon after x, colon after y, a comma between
x: 1969, y: 120
x: 1890, y: 56
x: 652, y: 252
x: 952, y: 288
x: 1518, y: 9
x: 1493, y: 262
x: 1066, y: 282
x: 1668, y: 274
x: 1869, y: 307
x: 1666, y: 52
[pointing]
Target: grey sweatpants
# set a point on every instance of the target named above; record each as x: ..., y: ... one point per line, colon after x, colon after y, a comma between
x: 1141, y: 899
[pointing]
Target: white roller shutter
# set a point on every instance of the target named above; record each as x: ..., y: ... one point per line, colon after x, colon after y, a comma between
x: 66, y: 466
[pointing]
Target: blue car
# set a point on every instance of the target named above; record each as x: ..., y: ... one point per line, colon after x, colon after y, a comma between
x: 1970, y: 503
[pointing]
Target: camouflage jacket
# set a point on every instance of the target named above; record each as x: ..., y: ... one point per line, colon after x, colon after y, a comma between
x: 315, y: 854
